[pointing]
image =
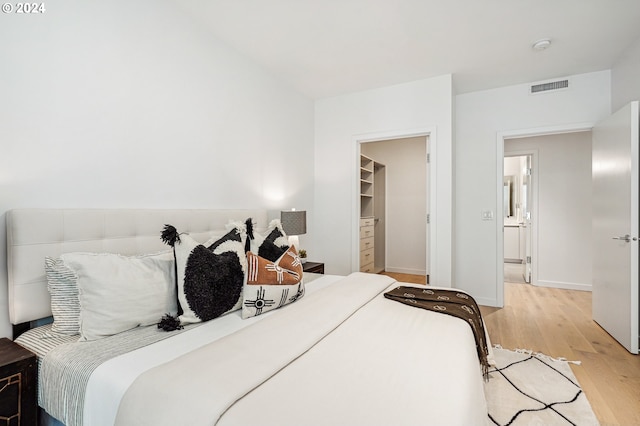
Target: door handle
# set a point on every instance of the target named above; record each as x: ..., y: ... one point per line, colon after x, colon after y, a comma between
x: 626, y: 238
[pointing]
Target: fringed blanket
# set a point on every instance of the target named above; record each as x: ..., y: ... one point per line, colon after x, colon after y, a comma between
x: 449, y: 302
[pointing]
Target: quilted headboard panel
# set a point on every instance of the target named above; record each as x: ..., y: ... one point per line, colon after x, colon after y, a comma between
x: 33, y: 234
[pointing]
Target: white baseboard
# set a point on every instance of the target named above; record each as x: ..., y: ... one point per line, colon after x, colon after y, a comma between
x: 563, y: 285
x: 405, y: 270
x: 485, y: 301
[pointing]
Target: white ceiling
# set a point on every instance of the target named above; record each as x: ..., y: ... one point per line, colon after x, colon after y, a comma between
x: 325, y: 48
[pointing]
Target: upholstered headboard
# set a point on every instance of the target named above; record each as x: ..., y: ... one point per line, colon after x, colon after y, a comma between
x: 33, y: 234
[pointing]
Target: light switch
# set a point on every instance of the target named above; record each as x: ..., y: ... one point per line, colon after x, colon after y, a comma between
x: 487, y: 215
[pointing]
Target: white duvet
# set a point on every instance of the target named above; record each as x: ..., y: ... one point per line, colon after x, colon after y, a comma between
x: 343, y: 355
x: 111, y: 379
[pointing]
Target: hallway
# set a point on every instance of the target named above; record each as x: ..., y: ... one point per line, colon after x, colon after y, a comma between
x: 513, y: 273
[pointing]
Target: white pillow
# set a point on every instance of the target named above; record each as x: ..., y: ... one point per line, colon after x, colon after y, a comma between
x: 118, y: 293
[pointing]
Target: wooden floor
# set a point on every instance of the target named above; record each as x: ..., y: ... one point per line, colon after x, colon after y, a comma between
x: 407, y: 278
x: 558, y: 323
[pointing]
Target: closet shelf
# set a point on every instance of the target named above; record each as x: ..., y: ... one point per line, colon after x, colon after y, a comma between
x: 371, y: 205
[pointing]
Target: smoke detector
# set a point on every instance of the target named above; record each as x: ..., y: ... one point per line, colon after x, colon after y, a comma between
x: 541, y: 44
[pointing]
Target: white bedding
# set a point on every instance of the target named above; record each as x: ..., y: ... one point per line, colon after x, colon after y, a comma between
x: 374, y: 362
x: 110, y: 380
x: 386, y: 364
x: 390, y: 364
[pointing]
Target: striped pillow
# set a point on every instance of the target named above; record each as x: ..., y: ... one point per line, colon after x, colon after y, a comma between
x: 65, y: 305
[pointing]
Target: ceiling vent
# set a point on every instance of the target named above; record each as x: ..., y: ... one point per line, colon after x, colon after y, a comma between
x: 546, y: 87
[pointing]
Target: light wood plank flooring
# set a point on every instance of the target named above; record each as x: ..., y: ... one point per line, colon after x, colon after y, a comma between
x: 558, y: 323
x: 514, y: 272
x: 406, y: 278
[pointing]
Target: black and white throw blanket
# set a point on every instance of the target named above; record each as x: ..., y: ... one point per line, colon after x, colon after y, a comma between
x: 449, y: 302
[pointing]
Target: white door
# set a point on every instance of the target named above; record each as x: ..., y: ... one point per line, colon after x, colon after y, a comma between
x: 615, y: 225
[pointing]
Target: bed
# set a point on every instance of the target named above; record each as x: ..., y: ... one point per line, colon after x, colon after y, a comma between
x: 341, y: 354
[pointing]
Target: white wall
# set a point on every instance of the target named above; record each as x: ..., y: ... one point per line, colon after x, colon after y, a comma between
x: 121, y: 104
x: 564, y: 248
x: 405, y: 163
x: 625, y: 77
x: 480, y: 116
x: 340, y: 122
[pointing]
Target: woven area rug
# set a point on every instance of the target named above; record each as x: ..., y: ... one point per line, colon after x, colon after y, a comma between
x: 527, y: 388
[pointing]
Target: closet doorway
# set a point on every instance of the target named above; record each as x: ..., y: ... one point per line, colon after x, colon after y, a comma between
x: 393, y: 211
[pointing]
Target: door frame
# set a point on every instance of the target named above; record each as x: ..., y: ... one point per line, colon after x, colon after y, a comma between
x: 430, y: 136
x: 534, y: 208
x: 514, y: 134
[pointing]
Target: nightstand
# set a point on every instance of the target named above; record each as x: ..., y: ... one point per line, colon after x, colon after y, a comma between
x: 315, y: 267
x: 18, y: 375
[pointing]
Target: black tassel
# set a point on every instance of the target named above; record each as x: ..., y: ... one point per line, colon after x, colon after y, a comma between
x: 170, y: 235
x: 249, y: 223
x: 247, y: 244
x: 169, y: 323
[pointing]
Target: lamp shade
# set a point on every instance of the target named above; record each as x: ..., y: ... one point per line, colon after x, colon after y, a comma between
x: 294, y: 222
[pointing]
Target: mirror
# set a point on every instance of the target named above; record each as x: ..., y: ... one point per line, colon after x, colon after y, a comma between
x: 510, y: 196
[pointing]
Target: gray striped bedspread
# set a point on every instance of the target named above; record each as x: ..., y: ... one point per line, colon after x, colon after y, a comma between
x: 65, y: 365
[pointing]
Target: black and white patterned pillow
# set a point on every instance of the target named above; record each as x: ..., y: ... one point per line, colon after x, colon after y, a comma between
x: 272, y: 284
x: 271, y: 246
x: 209, y: 278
